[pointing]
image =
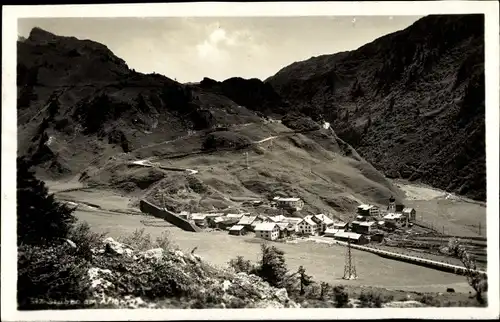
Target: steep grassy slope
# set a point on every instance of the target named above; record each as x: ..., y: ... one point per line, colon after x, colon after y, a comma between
x: 317, y: 166
x: 411, y: 102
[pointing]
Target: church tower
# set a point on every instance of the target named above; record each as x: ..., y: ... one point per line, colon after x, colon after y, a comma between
x: 392, y: 205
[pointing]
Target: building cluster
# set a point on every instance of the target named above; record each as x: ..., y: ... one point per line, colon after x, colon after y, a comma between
x: 369, y: 225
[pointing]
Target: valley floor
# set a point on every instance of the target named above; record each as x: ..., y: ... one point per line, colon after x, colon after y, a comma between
x: 109, y: 212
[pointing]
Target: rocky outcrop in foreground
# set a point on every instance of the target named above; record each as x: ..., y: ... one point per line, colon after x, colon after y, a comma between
x: 157, y: 278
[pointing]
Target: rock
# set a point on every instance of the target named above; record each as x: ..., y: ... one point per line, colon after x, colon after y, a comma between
x: 402, y: 304
x: 70, y: 243
x: 114, y: 247
x: 268, y: 305
x: 178, y: 253
x: 225, y: 285
x: 282, y: 295
x: 156, y: 253
x: 98, y: 278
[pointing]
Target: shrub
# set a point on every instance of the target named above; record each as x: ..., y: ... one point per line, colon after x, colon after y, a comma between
x: 85, y: 239
x: 239, y: 264
x: 370, y: 299
x: 40, y: 218
x: 429, y: 300
x: 48, y: 275
x: 138, y: 240
x: 341, y: 296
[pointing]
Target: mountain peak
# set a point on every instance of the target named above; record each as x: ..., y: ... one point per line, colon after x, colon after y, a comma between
x: 38, y: 34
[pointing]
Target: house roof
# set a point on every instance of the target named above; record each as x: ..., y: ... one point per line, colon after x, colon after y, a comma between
x: 407, y: 210
x: 219, y: 219
x: 266, y: 226
x: 236, y: 227
x: 340, y: 224
x: 278, y: 218
x: 347, y: 234
x: 292, y: 220
x: 283, y: 225
x: 234, y: 215
x: 286, y: 199
x: 332, y: 231
x: 198, y: 216
x: 393, y: 216
x: 356, y: 222
x: 247, y: 220
x: 367, y: 223
x: 309, y: 221
x: 366, y: 207
x: 324, y: 218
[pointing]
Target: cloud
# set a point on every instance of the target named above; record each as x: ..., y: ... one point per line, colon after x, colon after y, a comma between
x: 220, y: 44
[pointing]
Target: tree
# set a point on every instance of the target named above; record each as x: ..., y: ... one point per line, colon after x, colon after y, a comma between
x: 477, y: 280
x: 40, y: 218
x: 304, y: 279
x: 272, y: 267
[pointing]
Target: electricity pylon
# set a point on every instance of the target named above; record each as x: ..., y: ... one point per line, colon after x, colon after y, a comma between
x: 350, y: 268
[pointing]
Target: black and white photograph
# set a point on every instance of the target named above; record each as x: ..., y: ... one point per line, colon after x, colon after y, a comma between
x: 185, y: 156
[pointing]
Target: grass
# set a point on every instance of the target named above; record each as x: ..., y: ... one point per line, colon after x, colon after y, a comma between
x: 325, y: 263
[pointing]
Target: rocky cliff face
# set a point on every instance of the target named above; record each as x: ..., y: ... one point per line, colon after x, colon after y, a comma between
x: 411, y: 102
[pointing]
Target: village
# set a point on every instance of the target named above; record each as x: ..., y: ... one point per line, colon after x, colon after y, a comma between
x: 371, y: 223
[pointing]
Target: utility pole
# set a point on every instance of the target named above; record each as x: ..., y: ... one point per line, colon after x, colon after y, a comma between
x: 349, y: 269
x: 246, y: 160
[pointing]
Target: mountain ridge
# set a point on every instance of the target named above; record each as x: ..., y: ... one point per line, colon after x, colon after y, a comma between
x: 410, y: 102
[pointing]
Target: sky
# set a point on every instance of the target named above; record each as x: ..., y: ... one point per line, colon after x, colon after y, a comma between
x: 188, y: 49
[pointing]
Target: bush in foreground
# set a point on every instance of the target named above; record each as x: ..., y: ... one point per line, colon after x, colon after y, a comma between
x: 51, y: 276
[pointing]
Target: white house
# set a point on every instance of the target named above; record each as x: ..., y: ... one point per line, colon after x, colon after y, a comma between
x: 295, y: 204
x: 409, y: 213
x: 323, y: 221
x: 308, y: 227
x: 269, y: 231
x: 293, y: 221
x: 393, y: 217
x: 368, y: 210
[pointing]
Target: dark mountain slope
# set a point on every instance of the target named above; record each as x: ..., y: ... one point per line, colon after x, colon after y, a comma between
x: 78, y: 103
x: 251, y: 93
x: 411, y: 102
